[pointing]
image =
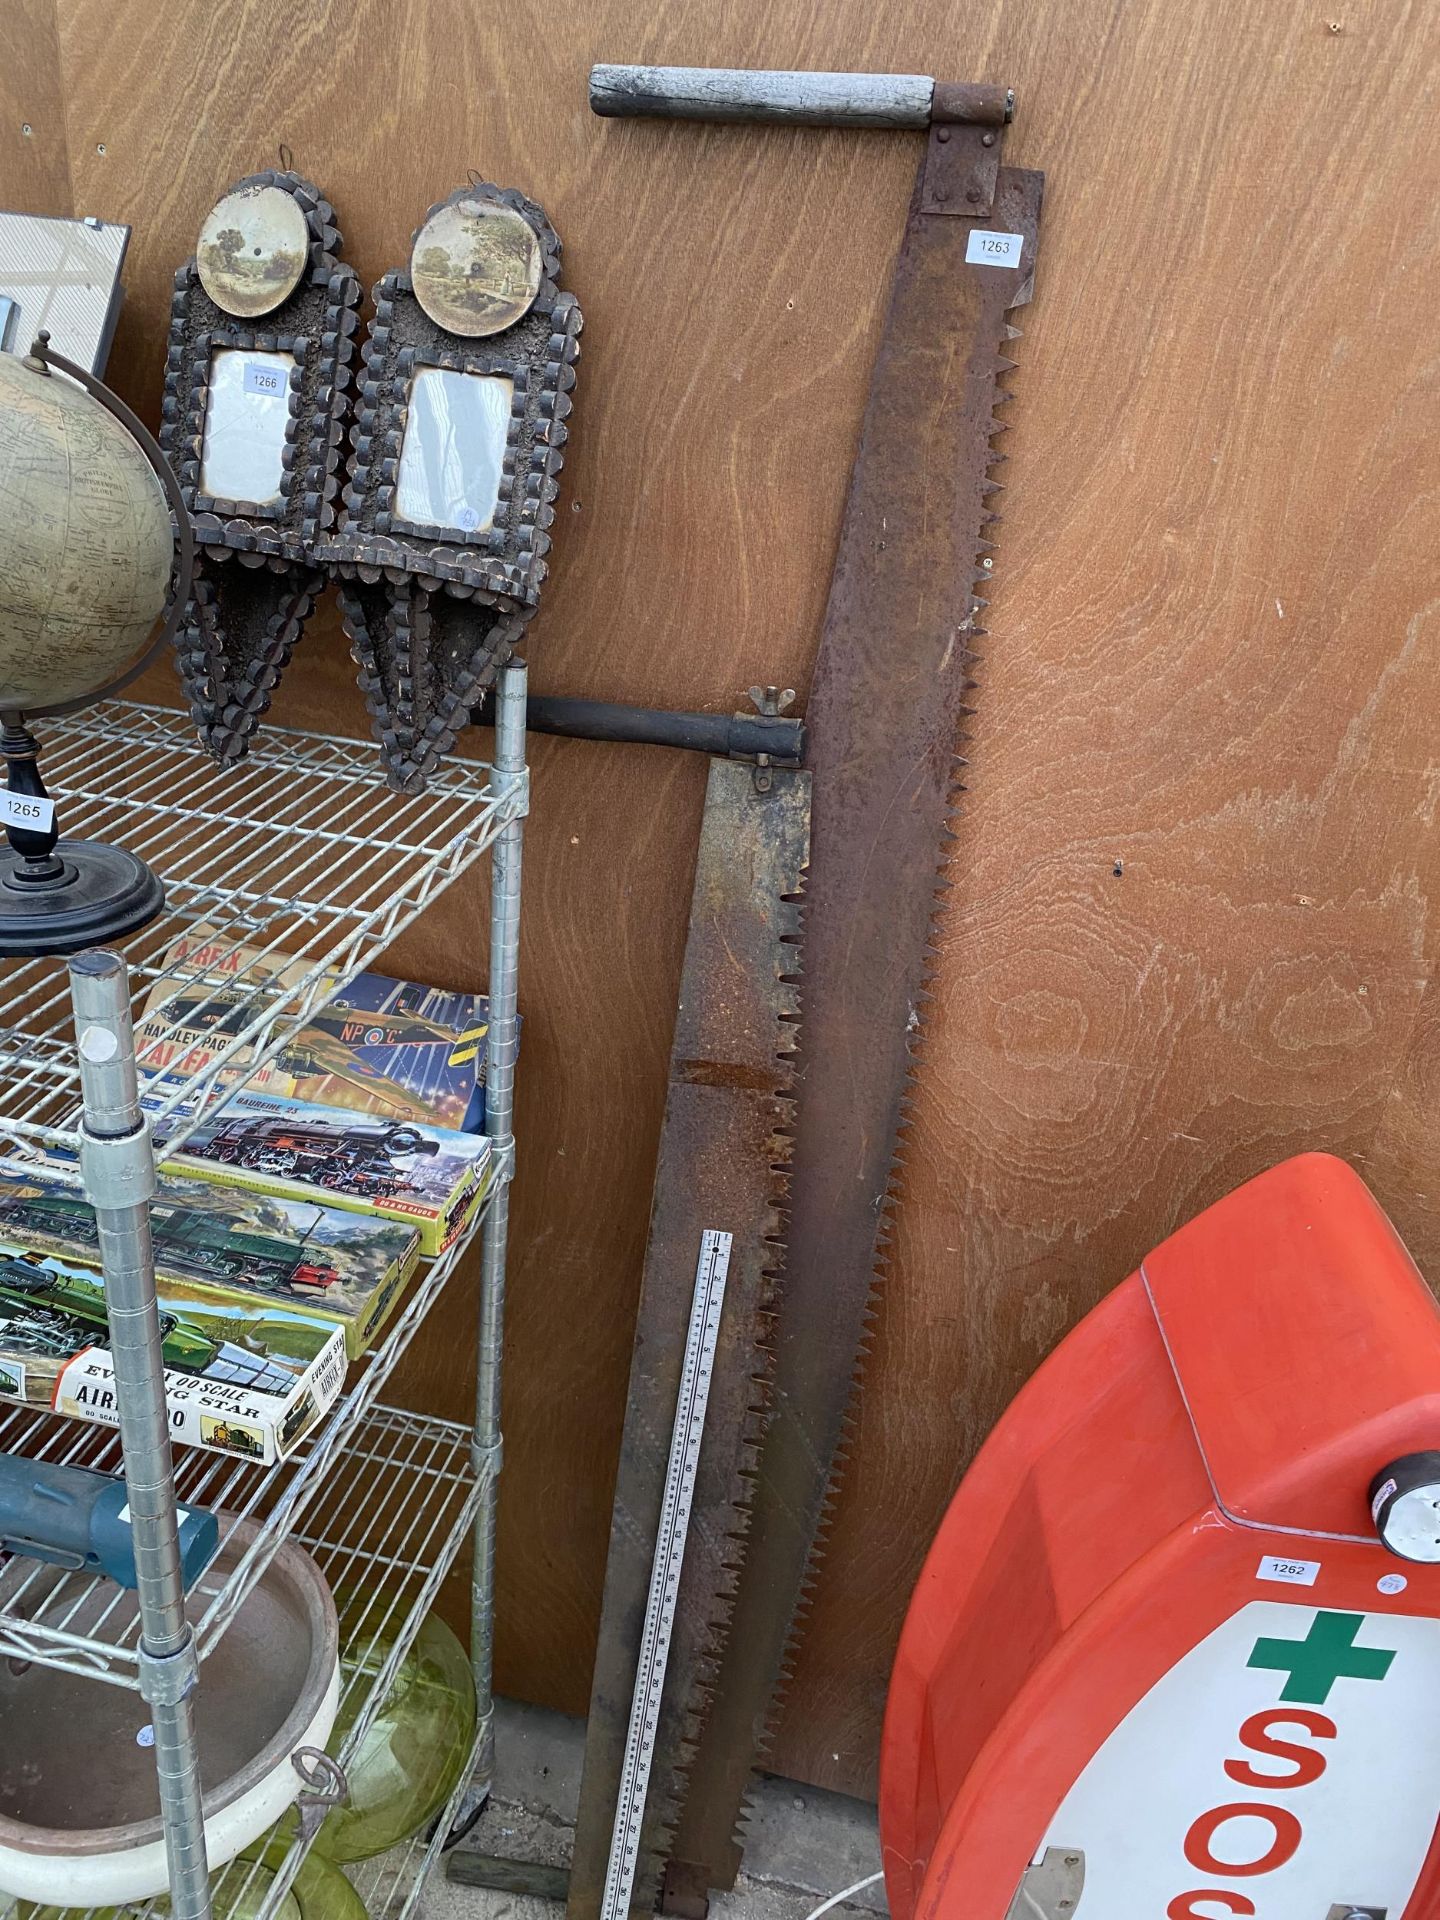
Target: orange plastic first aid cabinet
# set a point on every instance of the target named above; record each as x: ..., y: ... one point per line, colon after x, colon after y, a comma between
x: 1160, y: 1665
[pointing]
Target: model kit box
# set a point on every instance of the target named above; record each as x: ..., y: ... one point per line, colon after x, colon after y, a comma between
x: 228, y: 1244
x: 427, y: 1177
x: 248, y: 1379
x: 382, y: 1046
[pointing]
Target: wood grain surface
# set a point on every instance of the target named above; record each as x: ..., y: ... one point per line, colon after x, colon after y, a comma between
x: 1191, y: 929
x: 34, y: 158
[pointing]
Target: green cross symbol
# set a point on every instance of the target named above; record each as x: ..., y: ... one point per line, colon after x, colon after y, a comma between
x: 1327, y: 1653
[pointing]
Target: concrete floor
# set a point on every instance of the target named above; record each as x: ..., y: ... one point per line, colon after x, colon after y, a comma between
x: 804, y: 1844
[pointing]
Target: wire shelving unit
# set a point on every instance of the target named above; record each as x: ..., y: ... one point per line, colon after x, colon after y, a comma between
x: 284, y: 877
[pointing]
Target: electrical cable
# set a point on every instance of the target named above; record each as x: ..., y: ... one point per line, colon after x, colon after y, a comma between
x: 844, y: 1894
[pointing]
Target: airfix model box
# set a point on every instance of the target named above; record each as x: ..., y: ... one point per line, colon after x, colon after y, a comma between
x: 227, y: 1244
x: 428, y: 1177
x: 382, y: 1046
x: 392, y: 1048
x: 250, y: 1379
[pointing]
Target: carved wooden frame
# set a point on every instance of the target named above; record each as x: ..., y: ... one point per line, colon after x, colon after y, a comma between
x: 317, y: 323
x: 503, y: 564
x: 256, y: 575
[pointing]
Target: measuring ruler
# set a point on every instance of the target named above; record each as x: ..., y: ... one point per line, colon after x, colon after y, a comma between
x: 700, y: 1339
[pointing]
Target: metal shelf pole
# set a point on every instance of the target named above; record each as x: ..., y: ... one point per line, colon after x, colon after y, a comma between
x: 118, y: 1169
x: 510, y: 777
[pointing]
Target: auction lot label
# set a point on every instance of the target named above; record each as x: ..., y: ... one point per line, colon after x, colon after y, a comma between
x: 1288, y: 1764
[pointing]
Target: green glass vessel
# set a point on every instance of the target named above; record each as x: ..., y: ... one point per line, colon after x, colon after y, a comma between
x: 412, y: 1758
x: 319, y: 1891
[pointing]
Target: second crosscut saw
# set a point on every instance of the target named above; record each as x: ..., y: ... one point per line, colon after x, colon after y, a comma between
x: 888, y: 701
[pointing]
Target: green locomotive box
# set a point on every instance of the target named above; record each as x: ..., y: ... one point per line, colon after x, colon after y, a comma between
x: 229, y: 1244
x: 250, y: 1378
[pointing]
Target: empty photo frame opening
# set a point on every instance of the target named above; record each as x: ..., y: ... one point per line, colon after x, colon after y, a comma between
x: 453, y: 452
x: 247, y: 415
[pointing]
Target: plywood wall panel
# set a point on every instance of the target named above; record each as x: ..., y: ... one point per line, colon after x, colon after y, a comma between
x: 1192, y: 927
x: 34, y: 156
x: 1191, y: 930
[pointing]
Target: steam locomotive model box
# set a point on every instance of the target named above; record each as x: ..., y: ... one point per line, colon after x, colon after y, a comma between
x: 222, y: 1243
x: 250, y: 1379
x: 382, y: 1046
x: 430, y: 1178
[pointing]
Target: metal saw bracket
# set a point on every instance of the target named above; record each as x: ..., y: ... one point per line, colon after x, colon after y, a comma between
x: 1051, y: 1888
x: 962, y: 162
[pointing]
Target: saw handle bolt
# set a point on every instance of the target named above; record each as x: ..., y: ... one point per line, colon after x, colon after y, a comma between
x: 772, y: 702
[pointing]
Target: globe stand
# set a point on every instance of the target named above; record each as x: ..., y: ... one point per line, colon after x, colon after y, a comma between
x: 57, y: 896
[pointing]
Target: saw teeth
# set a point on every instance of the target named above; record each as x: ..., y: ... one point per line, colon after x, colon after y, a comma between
x: 987, y: 487
x: 916, y: 1040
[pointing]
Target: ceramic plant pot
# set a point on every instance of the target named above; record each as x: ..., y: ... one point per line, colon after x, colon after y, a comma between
x: 239, y: 1892
x: 318, y: 1892
x: 79, y: 1805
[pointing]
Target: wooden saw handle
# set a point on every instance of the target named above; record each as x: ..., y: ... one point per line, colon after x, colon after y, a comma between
x: 799, y: 99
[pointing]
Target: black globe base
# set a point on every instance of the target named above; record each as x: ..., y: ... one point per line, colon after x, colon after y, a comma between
x: 81, y: 895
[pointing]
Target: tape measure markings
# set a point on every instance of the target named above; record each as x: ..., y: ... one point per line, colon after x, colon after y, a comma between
x: 706, y: 1304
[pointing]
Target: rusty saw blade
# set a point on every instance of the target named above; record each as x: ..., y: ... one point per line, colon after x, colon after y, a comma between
x: 723, y: 1146
x: 892, y: 680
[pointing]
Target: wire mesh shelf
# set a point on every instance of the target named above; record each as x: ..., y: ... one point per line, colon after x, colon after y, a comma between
x: 404, y: 1514
x: 400, y: 1506
x: 39, y: 1620
x: 284, y: 876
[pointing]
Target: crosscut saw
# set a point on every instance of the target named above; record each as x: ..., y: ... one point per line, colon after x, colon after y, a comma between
x: 723, y: 1144
x: 890, y: 694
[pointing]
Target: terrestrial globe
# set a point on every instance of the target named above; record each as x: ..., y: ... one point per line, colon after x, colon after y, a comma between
x: 86, y: 560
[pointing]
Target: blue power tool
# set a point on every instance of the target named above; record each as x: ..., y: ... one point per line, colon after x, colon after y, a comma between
x: 71, y: 1517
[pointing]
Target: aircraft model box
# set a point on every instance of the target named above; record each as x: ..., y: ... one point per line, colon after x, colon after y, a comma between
x: 249, y: 1379
x: 429, y: 1178
x: 225, y: 1243
x: 382, y: 1046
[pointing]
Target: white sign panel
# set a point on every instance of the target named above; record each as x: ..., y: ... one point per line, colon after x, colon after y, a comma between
x: 1290, y: 1573
x: 453, y: 453
x: 247, y: 416
x: 26, y: 810
x: 994, y: 249
x: 1288, y: 1764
